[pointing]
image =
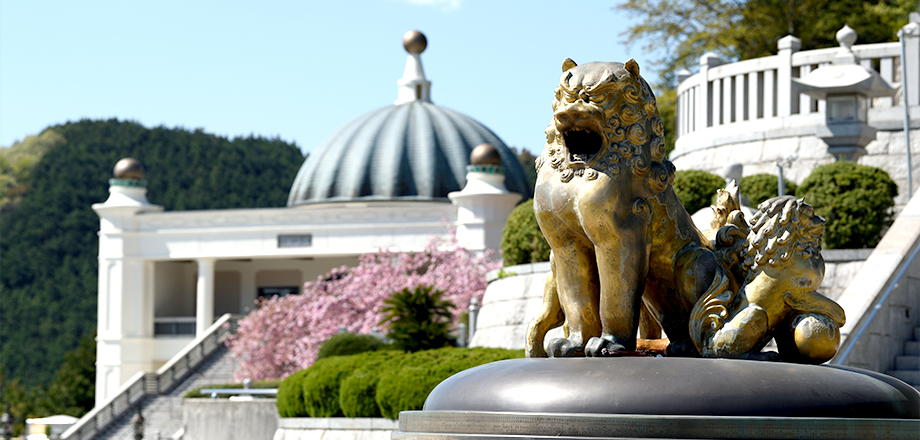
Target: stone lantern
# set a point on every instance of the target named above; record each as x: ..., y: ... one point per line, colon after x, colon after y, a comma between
x: 846, y: 88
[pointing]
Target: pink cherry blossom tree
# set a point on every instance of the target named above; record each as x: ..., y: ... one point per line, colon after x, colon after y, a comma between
x: 284, y: 333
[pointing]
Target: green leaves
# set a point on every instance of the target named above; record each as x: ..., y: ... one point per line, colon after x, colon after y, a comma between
x: 522, y: 240
x: 856, y: 201
x: 696, y: 189
x: 418, y: 319
x: 760, y: 187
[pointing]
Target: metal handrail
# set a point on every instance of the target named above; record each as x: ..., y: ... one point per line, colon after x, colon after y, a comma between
x: 142, y: 384
x: 214, y: 392
x: 851, y: 342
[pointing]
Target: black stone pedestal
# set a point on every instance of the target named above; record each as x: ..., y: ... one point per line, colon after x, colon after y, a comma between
x: 589, y: 398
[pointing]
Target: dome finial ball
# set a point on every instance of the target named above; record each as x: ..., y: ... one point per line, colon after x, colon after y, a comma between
x: 415, y: 42
x: 129, y: 168
x: 485, y: 154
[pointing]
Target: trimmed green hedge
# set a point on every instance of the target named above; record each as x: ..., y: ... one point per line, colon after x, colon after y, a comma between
x: 760, y: 187
x: 343, y: 344
x: 406, y: 388
x: 358, y: 392
x: 696, y: 189
x: 321, y: 386
x: 290, y: 395
x: 391, y: 381
x: 522, y: 240
x: 856, y: 201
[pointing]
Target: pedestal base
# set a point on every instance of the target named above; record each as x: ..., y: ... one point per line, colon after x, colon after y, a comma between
x: 589, y: 398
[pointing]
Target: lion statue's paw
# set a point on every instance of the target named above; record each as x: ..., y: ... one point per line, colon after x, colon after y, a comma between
x: 603, y: 346
x: 561, y: 347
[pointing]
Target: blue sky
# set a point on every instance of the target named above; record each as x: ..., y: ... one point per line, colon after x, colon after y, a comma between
x: 295, y: 70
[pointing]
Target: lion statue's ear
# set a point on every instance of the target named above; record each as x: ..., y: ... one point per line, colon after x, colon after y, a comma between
x: 568, y: 64
x: 633, y: 67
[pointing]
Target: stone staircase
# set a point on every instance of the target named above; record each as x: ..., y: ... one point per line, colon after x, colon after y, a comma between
x: 163, y: 413
x: 907, y: 364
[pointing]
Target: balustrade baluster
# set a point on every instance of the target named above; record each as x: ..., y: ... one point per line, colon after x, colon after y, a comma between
x: 754, y: 95
x: 805, y: 102
x: 886, y: 71
x: 716, y: 103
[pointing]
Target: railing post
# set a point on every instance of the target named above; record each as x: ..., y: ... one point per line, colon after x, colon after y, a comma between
x: 910, y: 38
x: 785, y: 102
x: 704, y: 118
x: 683, y: 105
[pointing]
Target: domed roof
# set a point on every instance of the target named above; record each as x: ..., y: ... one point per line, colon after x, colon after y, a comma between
x: 413, y: 150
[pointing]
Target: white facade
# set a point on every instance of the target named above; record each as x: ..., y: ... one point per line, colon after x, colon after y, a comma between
x: 165, y: 276
x: 160, y: 272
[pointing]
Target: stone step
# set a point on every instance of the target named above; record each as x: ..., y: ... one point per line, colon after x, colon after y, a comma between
x: 912, y: 348
x: 911, y: 377
x: 907, y: 363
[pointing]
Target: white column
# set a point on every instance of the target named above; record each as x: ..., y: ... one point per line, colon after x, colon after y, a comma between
x: 707, y: 99
x: 769, y: 104
x: 755, y: 96
x: 910, y: 34
x: 204, y: 309
x: 785, y: 103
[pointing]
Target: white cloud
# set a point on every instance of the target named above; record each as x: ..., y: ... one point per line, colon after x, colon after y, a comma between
x: 446, y: 5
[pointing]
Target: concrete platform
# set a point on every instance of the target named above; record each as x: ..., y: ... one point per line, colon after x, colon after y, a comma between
x: 664, y: 398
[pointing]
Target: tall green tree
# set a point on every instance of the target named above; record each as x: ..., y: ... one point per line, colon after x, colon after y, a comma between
x: 49, y: 249
x: 680, y: 31
x: 16, y: 163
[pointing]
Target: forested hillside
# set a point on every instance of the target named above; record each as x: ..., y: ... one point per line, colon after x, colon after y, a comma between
x: 49, y: 245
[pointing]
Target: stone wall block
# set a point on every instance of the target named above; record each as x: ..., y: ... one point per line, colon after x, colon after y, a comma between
x: 828, y: 284
x: 880, y: 144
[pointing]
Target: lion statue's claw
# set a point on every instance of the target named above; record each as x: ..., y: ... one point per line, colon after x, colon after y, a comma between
x: 681, y: 349
x: 603, y: 346
x: 561, y: 347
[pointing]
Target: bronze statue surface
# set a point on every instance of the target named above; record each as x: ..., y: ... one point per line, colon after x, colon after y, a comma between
x: 625, y: 249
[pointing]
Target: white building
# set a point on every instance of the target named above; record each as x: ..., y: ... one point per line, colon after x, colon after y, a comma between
x: 393, y: 178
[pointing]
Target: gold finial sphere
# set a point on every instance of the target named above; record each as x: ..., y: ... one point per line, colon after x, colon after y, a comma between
x: 415, y: 42
x: 485, y: 154
x: 129, y: 168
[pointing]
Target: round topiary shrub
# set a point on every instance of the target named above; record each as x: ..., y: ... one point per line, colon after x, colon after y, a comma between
x: 290, y: 395
x: 856, y: 201
x: 358, y: 391
x: 343, y: 344
x: 406, y: 387
x: 522, y: 240
x: 696, y: 189
x: 760, y: 187
x: 321, y: 384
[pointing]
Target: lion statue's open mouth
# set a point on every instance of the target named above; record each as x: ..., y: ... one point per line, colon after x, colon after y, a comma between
x: 582, y: 136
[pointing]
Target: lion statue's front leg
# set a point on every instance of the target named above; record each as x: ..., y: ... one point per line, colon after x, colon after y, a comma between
x: 599, y: 283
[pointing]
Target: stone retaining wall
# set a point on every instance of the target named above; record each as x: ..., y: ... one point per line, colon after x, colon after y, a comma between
x: 334, y: 428
x: 206, y: 419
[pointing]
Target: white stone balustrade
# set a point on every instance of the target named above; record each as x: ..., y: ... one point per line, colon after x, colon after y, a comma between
x: 755, y: 99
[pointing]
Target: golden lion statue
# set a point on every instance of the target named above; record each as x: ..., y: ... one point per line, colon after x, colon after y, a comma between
x: 624, y: 249
x: 783, y: 266
x: 604, y: 158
